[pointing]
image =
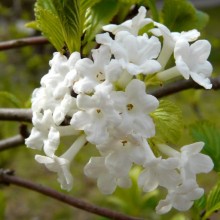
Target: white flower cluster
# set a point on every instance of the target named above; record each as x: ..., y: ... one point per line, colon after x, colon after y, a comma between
x: 102, y: 101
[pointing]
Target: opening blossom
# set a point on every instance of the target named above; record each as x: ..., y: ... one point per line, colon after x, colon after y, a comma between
x: 102, y: 100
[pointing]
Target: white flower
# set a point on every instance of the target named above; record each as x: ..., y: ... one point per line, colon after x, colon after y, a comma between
x: 189, y: 36
x: 61, y: 165
x: 72, y: 60
x: 53, y: 81
x: 106, y: 181
x: 52, y: 142
x: 170, y: 39
x: 134, y: 106
x: 159, y: 172
x: 103, y: 101
x: 133, y: 26
x: 41, y: 100
x: 191, y: 60
x: 119, y: 139
x: 136, y: 54
x: 96, y: 115
x: 35, y: 139
x: 113, y: 167
x: 66, y: 107
x: 92, y: 73
x: 193, y: 162
x: 56, y: 83
x: 42, y: 122
x: 59, y: 64
x: 123, y: 154
x: 113, y: 71
x: 181, y: 197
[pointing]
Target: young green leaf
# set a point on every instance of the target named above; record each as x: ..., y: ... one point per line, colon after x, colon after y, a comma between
x: 213, y: 201
x: 39, y: 5
x: 181, y: 15
x: 97, y: 16
x: 85, y: 4
x: 132, y: 200
x: 72, y: 16
x: 200, y: 204
x: 50, y: 26
x: 210, y: 135
x: 69, y: 14
x: 201, y: 20
x: 169, y: 121
x: 11, y: 98
x: 153, y: 9
x: 46, y: 4
x: 62, y: 21
x: 130, y: 2
x: 33, y: 25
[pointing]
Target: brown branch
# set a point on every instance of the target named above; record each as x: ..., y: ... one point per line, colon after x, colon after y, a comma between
x: 11, y: 142
x: 7, y: 178
x: 11, y: 44
x: 181, y: 85
x: 15, y: 141
x: 25, y: 115
x: 15, y: 114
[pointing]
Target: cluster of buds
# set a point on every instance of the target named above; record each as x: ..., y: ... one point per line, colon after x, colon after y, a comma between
x: 103, y: 101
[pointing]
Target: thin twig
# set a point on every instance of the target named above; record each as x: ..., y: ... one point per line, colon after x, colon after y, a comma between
x: 11, y: 142
x: 11, y: 44
x: 7, y: 178
x: 15, y: 114
x: 16, y: 140
x: 181, y: 85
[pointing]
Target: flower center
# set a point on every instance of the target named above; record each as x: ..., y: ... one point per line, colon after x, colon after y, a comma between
x: 124, y: 142
x: 98, y: 110
x: 100, y: 77
x: 129, y: 107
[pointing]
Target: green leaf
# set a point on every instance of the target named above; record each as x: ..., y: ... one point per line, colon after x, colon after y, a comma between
x: 85, y: 4
x: 62, y: 21
x: 178, y: 216
x: 213, y: 201
x: 181, y: 15
x: 46, y: 4
x: 153, y: 9
x: 201, y: 20
x: 11, y: 98
x: 68, y: 12
x: 51, y: 27
x: 39, y: 5
x: 169, y: 121
x: 210, y: 135
x: 131, y: 2
x: 200, y: 204
x: 132, y: 201
x: 99, y: 15
x: 72, y: 17
x: 33, y: 25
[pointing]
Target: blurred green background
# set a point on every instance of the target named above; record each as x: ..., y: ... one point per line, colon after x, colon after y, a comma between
x: 20, y: 72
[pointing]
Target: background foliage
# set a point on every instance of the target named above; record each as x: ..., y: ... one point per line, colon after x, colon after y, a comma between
x: 21, y: 70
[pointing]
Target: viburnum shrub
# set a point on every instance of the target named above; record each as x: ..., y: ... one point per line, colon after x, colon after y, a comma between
x: 103, y: 100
